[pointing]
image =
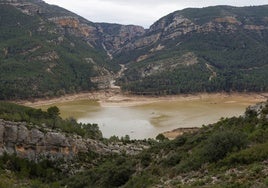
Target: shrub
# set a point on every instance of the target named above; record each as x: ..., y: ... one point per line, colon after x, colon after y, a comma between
x: 145, y: 159
x: 172, y: 159
x: 223, y: 142
x: 255, y: 153
x: 160, y: 137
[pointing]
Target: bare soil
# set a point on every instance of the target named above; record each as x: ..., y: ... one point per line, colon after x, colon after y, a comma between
x: 116, y: 98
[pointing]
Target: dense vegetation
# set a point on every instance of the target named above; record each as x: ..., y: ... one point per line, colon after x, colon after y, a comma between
x: 229, y: 57
x: 230, y: 153
x: 49, y: 118
x: 40, y: 59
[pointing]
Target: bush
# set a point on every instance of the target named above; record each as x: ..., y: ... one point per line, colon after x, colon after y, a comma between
x: 255, y: 153
x: 51, y: 118
x: 172, y: 159
x: 179, y: 141
x: 223, y: 142
x: 160, y: 137
x: 190, y: 162
x: 145, y: 159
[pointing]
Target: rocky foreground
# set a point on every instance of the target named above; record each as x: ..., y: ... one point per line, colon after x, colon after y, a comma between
x: 43, y: 151
x: 36, y: 143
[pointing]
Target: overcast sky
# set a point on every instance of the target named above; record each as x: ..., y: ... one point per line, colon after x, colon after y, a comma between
x: 138, y: 12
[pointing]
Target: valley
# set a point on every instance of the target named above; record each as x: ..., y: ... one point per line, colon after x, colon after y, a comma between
x: 182, y: 103
x: 54, y: 52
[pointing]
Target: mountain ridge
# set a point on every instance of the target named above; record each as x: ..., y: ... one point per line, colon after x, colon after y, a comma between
x: 66, y: 54
x: 230, y: 40
x: 55, y: 35
x: 210, y: 49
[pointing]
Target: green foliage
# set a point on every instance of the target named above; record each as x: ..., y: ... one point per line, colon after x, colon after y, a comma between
x: 160, y: 137
x: 226, y: 144
x: 114, y: 139
x: 219, y: 144
x: 142, y: 180
x: 53, y: 112
x: 51, y: 118
x: 36, y: 62
x: 179, y: 141
x: 146, y: 159
x: 265, y: 110
x: 172, y: 159
x: 38, y: 59
x: 125, y: 139
x: 45, y: 169
x: 230, y: 150
x: 247, y: 156
x: 114, y: 172
x: 237, y: 58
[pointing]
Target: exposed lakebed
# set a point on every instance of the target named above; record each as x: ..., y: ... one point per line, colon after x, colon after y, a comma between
x: 149, y: 118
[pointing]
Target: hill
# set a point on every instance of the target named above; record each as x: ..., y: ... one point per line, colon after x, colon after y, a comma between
x: 49, y: 51
x: 209, y: 49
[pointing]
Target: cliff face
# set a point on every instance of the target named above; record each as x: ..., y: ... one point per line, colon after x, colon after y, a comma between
x: 227, y: 45
x: 37, y: 143
x: 67, y: 22
x: 221, y: 19
x: 33, y: 143
x: 108, y: 37
x: 115, y: 36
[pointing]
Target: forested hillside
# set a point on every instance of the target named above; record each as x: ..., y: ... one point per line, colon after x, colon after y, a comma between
x: 48, y: 51
x: 38, y: 58
x: 200, y: 50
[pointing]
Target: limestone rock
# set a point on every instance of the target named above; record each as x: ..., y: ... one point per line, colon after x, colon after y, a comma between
x: 36, y: 143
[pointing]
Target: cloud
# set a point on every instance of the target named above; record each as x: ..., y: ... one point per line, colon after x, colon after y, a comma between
x: 138, y: 12
x: 124, y: 12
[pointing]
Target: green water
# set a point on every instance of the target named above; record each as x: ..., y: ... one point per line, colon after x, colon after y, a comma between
x: 148, y: 120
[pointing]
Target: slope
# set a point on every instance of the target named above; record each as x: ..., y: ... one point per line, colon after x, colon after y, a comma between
x: 48, y: 51
x: 230, y: 153
x: 210, y: 49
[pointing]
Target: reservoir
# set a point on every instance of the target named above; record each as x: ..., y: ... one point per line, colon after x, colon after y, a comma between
x: 147, y: 119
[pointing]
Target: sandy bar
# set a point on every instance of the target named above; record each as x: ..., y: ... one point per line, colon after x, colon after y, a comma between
x: 179, y: 131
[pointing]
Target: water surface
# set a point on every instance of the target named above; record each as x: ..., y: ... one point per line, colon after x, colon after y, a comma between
x: 148, y: 120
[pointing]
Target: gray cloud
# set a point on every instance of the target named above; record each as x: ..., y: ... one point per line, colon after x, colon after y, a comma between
x: 138, y: 12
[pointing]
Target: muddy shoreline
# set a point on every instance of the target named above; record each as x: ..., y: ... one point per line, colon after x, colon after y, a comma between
x: 113, y: 98
x: 117, y: 99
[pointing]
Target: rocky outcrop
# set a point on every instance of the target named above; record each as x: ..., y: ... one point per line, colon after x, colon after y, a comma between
x: 175, y: 25
x: 186, y: 59
x: 37, y: 143
x: 110, y: 37
x: 261, y: 109
x: 77, y: 27
x: 26, y: 7
x: 115, y: 36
